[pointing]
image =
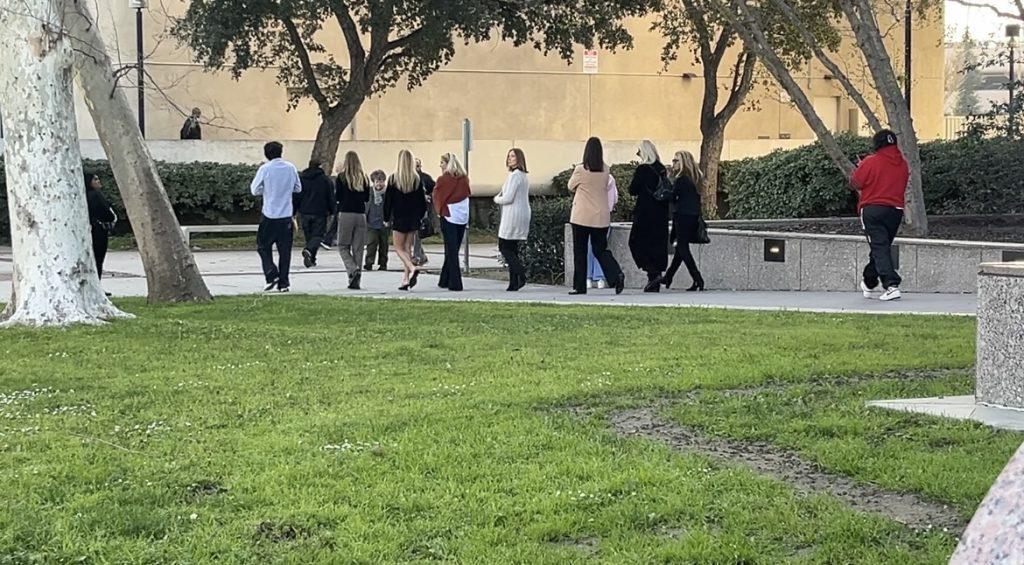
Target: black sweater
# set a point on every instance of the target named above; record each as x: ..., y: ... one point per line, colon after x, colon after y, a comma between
x: 99, y: 208
x: 352, y: 201
x: 686, y: 197
x: 404, y: 209
x: 317, y: 196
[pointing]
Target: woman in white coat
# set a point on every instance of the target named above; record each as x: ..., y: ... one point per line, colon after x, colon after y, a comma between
x: 514, y: 200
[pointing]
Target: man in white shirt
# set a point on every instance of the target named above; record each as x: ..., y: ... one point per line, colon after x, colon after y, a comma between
x: 276, y: 181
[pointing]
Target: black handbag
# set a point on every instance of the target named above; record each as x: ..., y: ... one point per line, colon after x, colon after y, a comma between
x: 665, y: 191
x: 701, y: 236
x: 427, y: 227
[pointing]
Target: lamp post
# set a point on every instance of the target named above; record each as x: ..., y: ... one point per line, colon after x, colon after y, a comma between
x: 907, y: 44
x: 1012, y: 31
x: 138, y: 6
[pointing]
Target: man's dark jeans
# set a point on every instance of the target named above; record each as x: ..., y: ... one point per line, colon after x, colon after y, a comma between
x: 281, y: 233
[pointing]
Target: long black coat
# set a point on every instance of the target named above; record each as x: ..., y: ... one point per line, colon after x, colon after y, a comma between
x: 648, y: 239
x: 687, y: 209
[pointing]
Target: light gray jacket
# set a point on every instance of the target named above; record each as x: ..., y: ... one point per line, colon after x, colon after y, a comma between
x: 514, y: 200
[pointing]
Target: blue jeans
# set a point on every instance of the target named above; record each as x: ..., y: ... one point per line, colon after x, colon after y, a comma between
x: 594, y: 271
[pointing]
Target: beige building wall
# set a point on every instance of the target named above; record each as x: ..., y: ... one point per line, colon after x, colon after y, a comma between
x: 513, y: 95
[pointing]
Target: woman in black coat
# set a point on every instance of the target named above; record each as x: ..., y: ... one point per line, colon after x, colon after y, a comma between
x: 101, y: 219
x: 685, y: 220
x: 648, y: 238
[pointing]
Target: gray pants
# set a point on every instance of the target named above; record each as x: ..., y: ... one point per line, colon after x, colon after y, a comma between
x: 352, y: 241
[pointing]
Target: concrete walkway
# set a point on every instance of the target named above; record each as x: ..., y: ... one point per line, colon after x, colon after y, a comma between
x: 238, y: 272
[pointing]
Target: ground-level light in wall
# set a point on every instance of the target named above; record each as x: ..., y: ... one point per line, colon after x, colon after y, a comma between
x: 775, y: 250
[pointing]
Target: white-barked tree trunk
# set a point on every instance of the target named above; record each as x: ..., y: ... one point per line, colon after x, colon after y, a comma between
x: 55, y: 281
x: 171, y: 271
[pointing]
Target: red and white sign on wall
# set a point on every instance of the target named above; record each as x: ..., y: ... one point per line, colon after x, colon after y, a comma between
x: 590, y: 62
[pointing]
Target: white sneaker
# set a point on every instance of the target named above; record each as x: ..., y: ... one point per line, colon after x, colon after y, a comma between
x: 602, y: 284
x: 868, y: 292
x: 591, y: 283
x: 892, y: 293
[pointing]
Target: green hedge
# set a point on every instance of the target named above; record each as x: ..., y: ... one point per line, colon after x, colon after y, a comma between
x: 966, y: 176
x: 199, y: 192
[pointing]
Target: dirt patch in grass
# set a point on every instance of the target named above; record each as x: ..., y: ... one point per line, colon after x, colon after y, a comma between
x: 587, y: 546
x: 804, y: 476
x: 280, y: 533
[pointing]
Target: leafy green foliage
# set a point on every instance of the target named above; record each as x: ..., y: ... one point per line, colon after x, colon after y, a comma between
x: 199, y: 192
x: 406, y: 38
x: 544, y: 252
x: 797, y: 183
x: 968, y: 76
x: 966, y: 176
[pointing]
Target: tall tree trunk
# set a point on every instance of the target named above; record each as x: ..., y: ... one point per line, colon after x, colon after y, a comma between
x: 171, y: 271
x: 55, y: 280
x: 712, y: 141
x: 328, y: 136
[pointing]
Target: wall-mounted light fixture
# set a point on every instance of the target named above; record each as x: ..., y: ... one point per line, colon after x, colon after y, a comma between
x: 689, y: 76
x: 785, y: 136
x: 775, y: 250
x: 829, y: 77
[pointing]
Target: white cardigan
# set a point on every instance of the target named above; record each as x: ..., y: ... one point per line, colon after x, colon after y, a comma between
x: 514, y: 200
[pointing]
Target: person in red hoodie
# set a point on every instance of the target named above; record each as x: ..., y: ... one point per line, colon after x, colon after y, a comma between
x: 451, y: 202
x: 880, y: 181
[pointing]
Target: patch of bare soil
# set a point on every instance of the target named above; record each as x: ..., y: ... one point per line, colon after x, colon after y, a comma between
x: 786, y: 466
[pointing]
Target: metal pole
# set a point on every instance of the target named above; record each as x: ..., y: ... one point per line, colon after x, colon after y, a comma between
x: 907, y: 44
x: 141, y: 70
x: 1013, y: 80
x: 467, y: 145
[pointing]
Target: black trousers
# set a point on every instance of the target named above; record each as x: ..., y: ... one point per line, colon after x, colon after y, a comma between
x: 281, y: 233
x: 684, y: 227
x: 100, y: 241
x: 598, y: 238
x: 509, y: 249
x: 314, y: 228
x: 881, y: 224
x: 451, y: 272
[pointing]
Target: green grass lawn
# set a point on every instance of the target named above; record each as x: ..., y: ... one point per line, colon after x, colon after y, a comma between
x: 295, y: 429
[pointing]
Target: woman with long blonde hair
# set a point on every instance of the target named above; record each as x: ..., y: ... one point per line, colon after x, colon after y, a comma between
x: 451, y: 202
x: 687, y: 180
x: 405, y: 204
x: 353, y: 190
x: 648, y: 237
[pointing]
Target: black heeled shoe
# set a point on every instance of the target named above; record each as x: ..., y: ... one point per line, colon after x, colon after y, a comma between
x: 415, y: 277
x: 666, y: 282
x: 620, y: 285
x: 521, y: 283
x: 698, y: 285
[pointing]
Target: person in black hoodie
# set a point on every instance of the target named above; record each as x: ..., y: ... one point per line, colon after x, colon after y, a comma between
x: 101, y: 219
x: 316, y: 204
x: 648, y: 238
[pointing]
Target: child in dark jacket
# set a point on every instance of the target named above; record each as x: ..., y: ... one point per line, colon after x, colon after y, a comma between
x: 377, y: 234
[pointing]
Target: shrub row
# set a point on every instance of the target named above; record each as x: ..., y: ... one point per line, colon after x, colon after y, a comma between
x: 199, y: 192
x: 965, y: 176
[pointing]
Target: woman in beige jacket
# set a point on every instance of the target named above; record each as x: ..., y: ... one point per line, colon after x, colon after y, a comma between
x: 590, y: 219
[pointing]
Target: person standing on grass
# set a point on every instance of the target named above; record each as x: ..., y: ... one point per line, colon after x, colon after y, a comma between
x: 405, y: 203
x: 685, y: 221
x: 880, y: 182
x: 648, y: 237
x: 276, y: 181
x: 101, y: 219
x: 591, y: 218
x: 353, y: 194
x: 595, y: 276
x: 514, y: 200
x: 419, y: 257
x: 451, y: 202
x: 316, y: 206
x: 377, y: 233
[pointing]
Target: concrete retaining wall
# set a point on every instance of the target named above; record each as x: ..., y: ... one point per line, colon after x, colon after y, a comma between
x: 735, y: 260
x: 999, y: 378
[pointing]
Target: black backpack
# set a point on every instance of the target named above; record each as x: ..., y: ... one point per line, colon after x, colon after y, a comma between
x: 665, y: 191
